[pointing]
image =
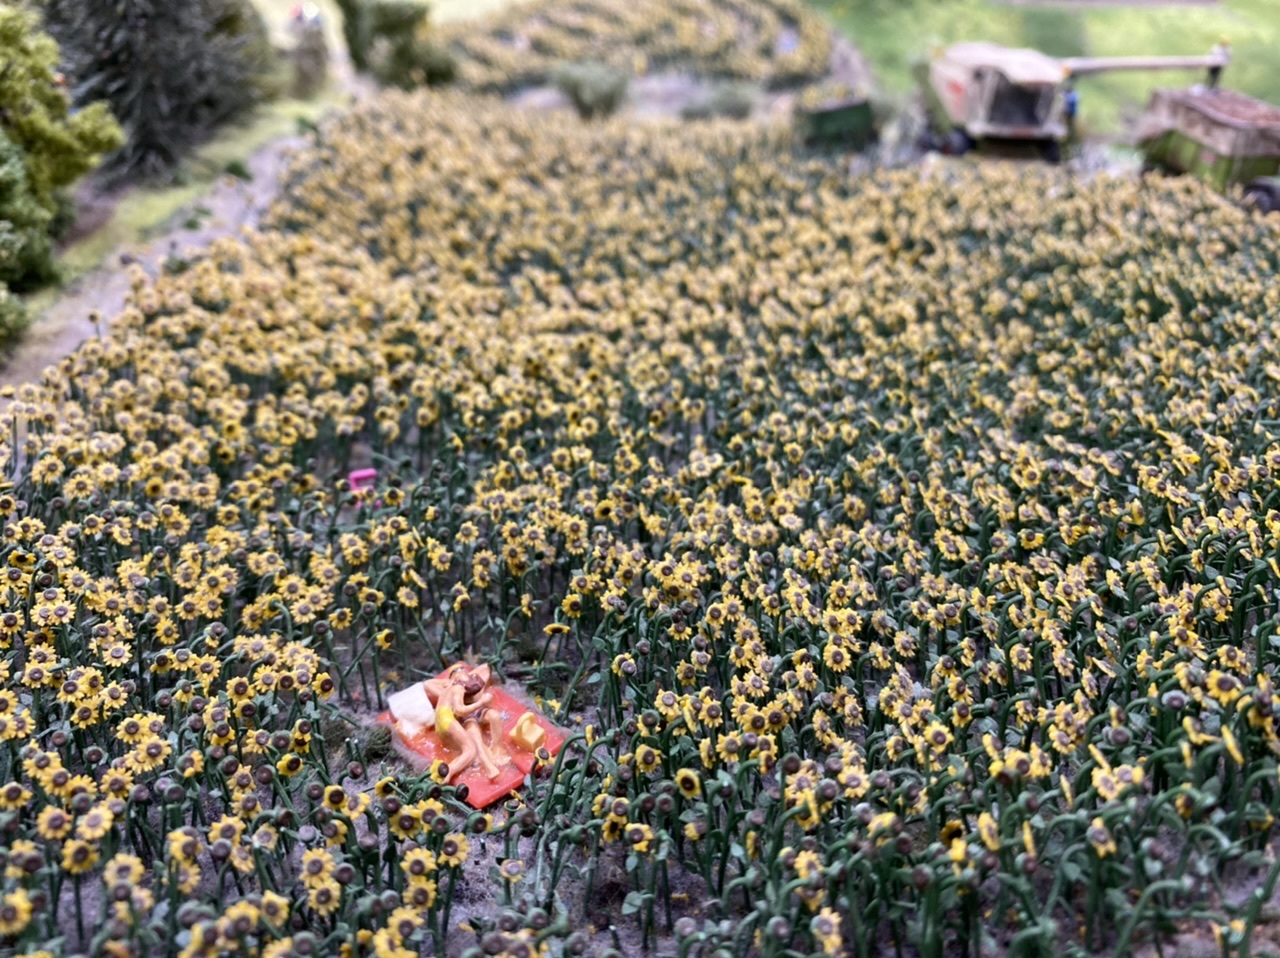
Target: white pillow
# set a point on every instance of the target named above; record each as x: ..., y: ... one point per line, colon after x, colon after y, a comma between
x: 412, y: 710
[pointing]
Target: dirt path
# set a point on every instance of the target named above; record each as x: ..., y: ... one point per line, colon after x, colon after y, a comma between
x: 232, y: 204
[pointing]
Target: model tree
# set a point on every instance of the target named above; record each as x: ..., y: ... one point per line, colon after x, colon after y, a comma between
x: 172, y: 71
x: 44, y: 148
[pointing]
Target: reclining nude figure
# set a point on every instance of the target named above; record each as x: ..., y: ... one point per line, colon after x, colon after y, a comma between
x: 470, y: 728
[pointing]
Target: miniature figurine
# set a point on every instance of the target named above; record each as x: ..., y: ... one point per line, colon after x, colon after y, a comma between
x: 464, y: 720
x: 488, y: 739
x: 310, y: 51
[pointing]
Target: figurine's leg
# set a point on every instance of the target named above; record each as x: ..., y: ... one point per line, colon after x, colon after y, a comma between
x: 466, y: 758
x: 491, y: 770
x: 490, y: 767
x: 456, y: 738
x: 491, y: 723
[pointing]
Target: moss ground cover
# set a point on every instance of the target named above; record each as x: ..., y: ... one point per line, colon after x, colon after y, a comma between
x: 899, y: 551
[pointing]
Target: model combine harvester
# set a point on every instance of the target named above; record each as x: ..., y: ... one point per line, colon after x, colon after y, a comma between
x: 1019, y: 102
x: 984, y: 96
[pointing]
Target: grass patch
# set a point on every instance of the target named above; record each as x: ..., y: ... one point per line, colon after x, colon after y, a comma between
x: 147, y: 210
x: 892, y: 35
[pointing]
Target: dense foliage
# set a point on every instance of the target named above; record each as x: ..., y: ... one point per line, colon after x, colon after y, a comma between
x: 26, y: 246
x: 44, y: 148
x: 171, y: 71
x: 14, y: 316
x: 778, y: 42
x: 366, y: 23
x: 58, y: 145
x: 898, y: 550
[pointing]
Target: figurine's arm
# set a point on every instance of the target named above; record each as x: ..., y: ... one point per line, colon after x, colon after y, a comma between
x: 435, y: 687
x: 477, y: 705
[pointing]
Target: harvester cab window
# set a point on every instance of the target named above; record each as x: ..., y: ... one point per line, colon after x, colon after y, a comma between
x: 1015, y: 105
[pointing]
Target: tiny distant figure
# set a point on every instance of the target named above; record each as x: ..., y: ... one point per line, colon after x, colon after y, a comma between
x: 1070, y: 108
x: 306, y: 13
x: 310, y: 51
x: 1221, y: 54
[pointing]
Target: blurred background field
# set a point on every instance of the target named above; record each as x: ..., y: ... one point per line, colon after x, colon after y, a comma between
x: 892, y: 33
x: 278, y: 12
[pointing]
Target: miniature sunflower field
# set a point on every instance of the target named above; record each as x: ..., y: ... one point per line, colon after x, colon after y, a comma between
x: 898, y: 554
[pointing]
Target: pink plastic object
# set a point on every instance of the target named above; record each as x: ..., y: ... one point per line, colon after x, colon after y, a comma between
x: 362, y: 478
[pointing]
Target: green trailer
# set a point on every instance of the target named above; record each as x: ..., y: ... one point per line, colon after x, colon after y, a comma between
x: 1227, y: 139
x: 834, y: 117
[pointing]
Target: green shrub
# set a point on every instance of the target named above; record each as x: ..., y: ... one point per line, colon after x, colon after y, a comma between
x: 413, y: 62
x: 392, y: 17
x: 355, y: 31
x: 171, y: 71
x: 56, y: 146
x: 64, y: 215
x: 26, y: 245
x: 14, y: 318
x: 732, y: 101
x: 44, y: 148
x: 364, y: 22
x: 388, y: 39
x: 596, y: 89
x: 240, y: 22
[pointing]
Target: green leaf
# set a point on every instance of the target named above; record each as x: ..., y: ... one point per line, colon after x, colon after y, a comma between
x: 634, y: 902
